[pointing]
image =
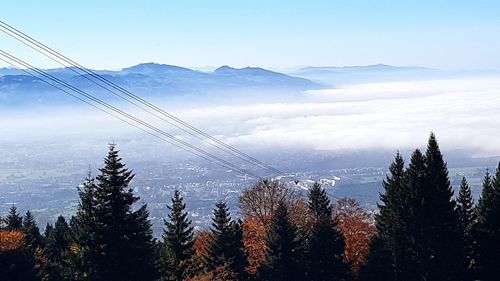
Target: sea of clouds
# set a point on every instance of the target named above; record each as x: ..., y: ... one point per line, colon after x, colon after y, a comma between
x: 464, y: 113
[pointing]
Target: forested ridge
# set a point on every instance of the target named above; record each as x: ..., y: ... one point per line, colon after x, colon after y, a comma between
x: 421, y: 231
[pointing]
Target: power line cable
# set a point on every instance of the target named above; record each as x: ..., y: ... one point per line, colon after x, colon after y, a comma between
x: 125, y: 114
x: 29, y: 41
x: 108, y: 112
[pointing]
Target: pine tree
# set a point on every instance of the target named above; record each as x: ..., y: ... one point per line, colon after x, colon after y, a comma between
x: 83, y: 227
x: 120, y: 242
x: 465, y: 207
x: 177, y: 240
x: 226, y: 245
x: 467, y: 215
x: 32, y: 233
x: 488, y: 228
x: 57, y: 249
x: 487, y: 197
x: 282, y: 258
x: 443, y: 239
x: 427, y: 241
x: 240, y: 261
x: 326, y: 250
x: 385, y: 254
x: 13, y: 221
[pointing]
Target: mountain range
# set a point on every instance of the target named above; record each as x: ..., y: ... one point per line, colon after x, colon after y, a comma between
x: 357, y: 69
x: 343, y: 75
x: 150, y: 79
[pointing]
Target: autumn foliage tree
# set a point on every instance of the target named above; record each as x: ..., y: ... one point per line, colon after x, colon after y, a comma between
x: 356, y: 224
x: 257, y: 205
x: 260, y: 201
x: 17, y: 261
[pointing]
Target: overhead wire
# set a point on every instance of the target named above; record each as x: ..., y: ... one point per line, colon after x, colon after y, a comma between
x: 177, y: 122
x: 178, y: 141
x: 105, y: 111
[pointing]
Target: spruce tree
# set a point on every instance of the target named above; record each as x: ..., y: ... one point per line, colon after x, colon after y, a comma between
x: 443, y: 239
x: 57, y: 250
x: 120, y: 242
x: 240, y: 261
x: 467, y: 216
x: 33, y: 237
x: 13, y: 221
x: 226, y: 245
x: 385, y: 255
x: 488, y: 228
x: 408, y: 253
x: 83, y: 227
x: 326, y: 244
x: 282, y: 261
x: 487, y: 197
x: 177, y: 240
x: 465, y: 207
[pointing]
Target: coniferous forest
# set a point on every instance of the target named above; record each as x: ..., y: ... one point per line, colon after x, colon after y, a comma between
x: 422, y: 230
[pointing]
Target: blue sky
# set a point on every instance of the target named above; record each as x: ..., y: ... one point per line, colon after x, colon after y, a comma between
x: 454, y: 34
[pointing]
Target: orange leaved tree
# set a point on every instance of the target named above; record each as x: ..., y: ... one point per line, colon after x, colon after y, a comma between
x: 356, y: 224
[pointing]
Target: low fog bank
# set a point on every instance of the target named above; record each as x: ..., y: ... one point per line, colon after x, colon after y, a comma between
x: 389, y: 116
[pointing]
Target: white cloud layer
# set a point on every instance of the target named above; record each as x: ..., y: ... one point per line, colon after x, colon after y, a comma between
x: 465, y: 114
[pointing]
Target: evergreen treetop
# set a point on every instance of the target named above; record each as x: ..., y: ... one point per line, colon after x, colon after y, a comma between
x: 120, y: 240
x: 384, y: 261
x: 487, y: 233
x: 177, y: 239
x: 465, y: 207
x: 326, y: 244
x: 31, y: 230
x: 319, y: 203
x: 226, y: 245
x: 282, y: 258
x: 13, y: 221
x: 443, y: 238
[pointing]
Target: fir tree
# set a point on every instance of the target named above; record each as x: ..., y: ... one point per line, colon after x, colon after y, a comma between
x: 83, y: 226
x: 385, y: 254
x: 486, y: 199
x: 57, y: 250
x: 326, y: 250
x: 488, y: 228
x: 177, y: 240
x: 465, y: 207
x: 410, y: 255
x: 120, y: 242
x: 467, y: 215
x: 33, y: 237
x: 226, y: 245
x: 427, y: 238
x: 282, y: 258
x: 443, y: 239
x: 240, y: 261
x: 13, y: 221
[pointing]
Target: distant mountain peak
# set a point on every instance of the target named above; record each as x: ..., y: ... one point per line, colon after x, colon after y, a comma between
x: 248, y: 70
x: 224, y: 68
x: 155, y: 68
